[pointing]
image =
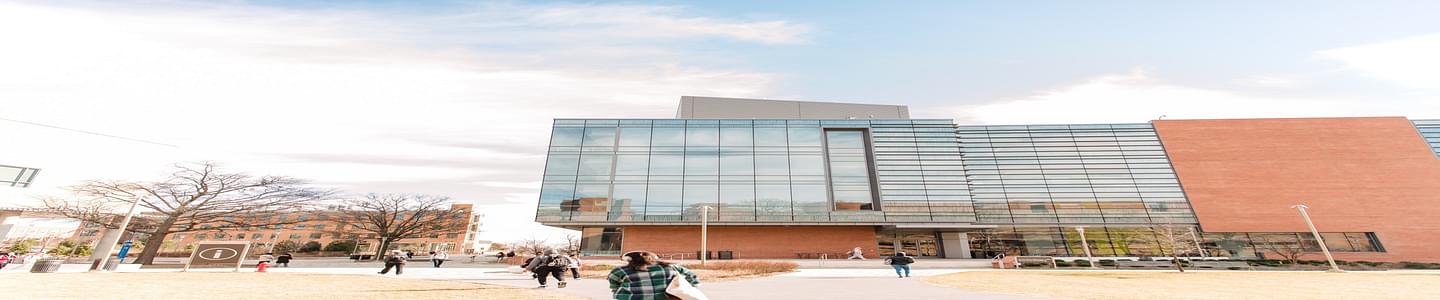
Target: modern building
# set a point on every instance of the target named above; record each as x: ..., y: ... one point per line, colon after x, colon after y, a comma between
x: 17, y: 176
x: 788, y: 179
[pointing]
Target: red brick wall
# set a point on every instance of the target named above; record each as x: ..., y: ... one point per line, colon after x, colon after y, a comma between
x: 752, y: 241
x: 1356, y: 174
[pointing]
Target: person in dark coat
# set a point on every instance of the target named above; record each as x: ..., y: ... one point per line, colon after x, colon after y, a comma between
x: 396, y: 260
x: 900, y: 262
x: 284, y: 259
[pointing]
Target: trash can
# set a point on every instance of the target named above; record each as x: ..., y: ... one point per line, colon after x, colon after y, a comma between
x: 727, y: 254
x: 708, y: 254
x: 46, y: 266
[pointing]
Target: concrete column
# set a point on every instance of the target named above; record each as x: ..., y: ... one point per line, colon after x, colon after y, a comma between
x: 956, y: 244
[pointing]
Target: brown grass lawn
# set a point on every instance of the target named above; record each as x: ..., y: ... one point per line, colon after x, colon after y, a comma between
x: 268, y: 286
x: 1199, y: 285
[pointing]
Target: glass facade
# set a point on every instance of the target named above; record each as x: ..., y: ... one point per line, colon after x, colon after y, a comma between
x: 659, y: 171
x: 17, y: 176
x: 1071, y: 174
x: 1430, y: 131
x: 1143, y: 241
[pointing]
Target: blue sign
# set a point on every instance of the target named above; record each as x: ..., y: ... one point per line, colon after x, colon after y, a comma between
x: 126, y: 249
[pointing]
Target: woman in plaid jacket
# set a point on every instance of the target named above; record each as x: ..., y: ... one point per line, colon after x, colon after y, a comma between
x: 645, y: 277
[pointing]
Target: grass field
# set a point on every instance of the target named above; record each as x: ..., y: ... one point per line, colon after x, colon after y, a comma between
x: 1199, y: 285
x: 248, y: 286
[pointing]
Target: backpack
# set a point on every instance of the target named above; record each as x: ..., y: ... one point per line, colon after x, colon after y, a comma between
x: 558, y: 261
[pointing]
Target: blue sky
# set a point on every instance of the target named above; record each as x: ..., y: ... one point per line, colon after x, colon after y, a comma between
x: 455, y: 98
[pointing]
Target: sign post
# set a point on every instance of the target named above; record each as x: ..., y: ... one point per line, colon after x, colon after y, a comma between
x: 219, y: 253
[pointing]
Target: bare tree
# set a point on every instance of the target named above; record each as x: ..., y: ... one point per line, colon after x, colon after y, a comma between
x: 572, y: 242
x: 1174, y: 238
x: 396, y: 217
x: 532, y: 245
x: 1288, y: 250
x: 195, y: 194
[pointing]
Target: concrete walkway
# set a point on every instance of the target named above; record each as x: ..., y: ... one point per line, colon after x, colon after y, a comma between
x: 865, y: 284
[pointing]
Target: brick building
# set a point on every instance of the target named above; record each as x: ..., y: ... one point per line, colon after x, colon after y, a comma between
x: 786, y: 179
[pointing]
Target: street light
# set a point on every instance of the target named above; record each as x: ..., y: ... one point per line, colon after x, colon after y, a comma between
x: 1323, y: 248
x: 110, y: 243
x: 704, y: 231
x: 1083, y: 243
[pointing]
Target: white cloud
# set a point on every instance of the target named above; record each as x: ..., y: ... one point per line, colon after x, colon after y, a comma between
x: 1138, y: 97
x: 1410, y: 62
x: 1272, y: 81
x: 456, y: 104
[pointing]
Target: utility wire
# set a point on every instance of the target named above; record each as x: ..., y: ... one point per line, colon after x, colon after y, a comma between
x: 90, y: 132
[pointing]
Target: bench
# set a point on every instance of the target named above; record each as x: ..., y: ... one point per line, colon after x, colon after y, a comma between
x: 1142, y: 264
x: 1034, y: 260
x: 1224, y: 265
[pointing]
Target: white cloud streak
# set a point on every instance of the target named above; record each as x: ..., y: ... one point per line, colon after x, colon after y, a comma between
x: 1410, y: 62
x: 455, y: 104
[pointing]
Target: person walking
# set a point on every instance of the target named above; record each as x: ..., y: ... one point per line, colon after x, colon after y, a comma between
x: 900, y: 262
x: 552, y: 264
x: 856, y: 254
x: 575, y: 264
x: 284, y: 259
x: 439, y: 258
x: 266, y: 258
x: 510, y: 254
x: 645, y: 277
x: 396, y: 260
x: 409, y: 254
x: 499, y: 256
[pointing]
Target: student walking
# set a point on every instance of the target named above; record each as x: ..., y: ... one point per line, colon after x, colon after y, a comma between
x: 856, y: 254
x: 267, y: 258
x: 552, y: 264
x: 396, y: 260
x: 409, y: 254
x: 575, y: 265
x: 645, y: 277
x: 284, y: 259
x: 438, y: 258
x: 900, y: 262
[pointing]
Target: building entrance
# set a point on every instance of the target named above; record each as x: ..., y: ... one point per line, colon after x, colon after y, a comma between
x: 913, y: 243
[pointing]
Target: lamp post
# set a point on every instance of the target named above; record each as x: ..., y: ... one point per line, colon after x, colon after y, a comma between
x: 1318, y: 240
x: 1196, y: 239
x: 110, y: 244
x: 1085, y: 244
x: 704, y: 231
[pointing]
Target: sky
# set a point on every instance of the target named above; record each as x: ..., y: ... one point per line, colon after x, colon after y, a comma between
x: 455, y: 98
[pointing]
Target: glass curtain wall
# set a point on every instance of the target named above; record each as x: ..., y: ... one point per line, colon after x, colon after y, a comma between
x: 751, y: 171
x: 1071, y: 174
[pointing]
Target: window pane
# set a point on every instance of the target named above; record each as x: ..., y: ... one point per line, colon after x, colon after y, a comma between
x: 810, y: 199
x: 662, y: 200
x: 737, y: 164
x: 668, y: 137
x: 702, y: 164
x: 630, y: 136
x: 632, y: 164
x: 566, y: 136
x: 806, y: 165
x: 628, y: 200
x: 804, y: 136
x: 666, y: 164
x: 772, y: 165
x: 701, y: 194
x: 595, y: 164
x: 702, y: 137
x: 772, y: 199
x: 770, y: 137
x: 564, y: 165
x: 552, y: 193
x: 736, y: 137
x: 600, y: 136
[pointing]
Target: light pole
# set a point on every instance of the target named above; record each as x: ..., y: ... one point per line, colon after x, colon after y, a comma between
x: 1085, y: 244
x: 110, y: 244
x: 1196, y: 238
x: 704, y: 232
x: 1323, y: 248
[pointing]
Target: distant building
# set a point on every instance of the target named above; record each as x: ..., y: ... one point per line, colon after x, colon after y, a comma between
x: 319, y: 226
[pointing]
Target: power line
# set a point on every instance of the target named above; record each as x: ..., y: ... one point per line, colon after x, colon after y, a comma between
x: 90, y: 132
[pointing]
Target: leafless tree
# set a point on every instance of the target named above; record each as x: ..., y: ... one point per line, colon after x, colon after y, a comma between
x: 1289, y: 250
x: 532, y: 245
x: 1175, y: 239
x: 395, y: 217
x: 572, y: 242
x: 195, y: 194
